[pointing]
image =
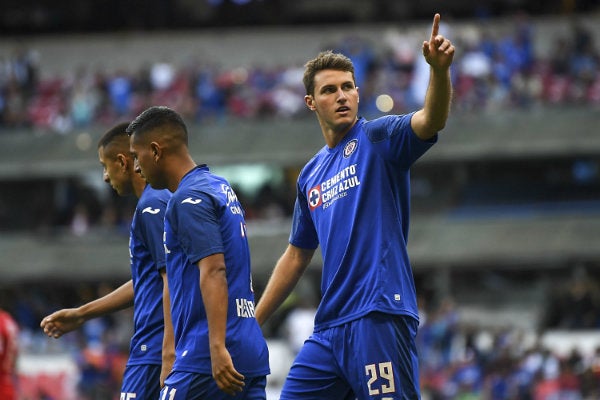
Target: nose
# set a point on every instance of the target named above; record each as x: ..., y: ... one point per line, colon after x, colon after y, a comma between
x: 341, y: 95
x: 136, y: 166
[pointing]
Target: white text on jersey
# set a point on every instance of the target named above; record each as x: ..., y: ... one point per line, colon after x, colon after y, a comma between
x: 245, y: 308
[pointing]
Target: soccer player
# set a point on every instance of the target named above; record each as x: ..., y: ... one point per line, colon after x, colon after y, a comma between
x: 152, y: 349
x: 353, y: 201
x: 220, y: 352
x: 9, y: 349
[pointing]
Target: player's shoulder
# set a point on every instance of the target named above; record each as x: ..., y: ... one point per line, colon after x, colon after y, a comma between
x: 154, y: 198
x: 383, y: 127
x: 161, y: 195
x: 311, y: 164
x: 192, y: 194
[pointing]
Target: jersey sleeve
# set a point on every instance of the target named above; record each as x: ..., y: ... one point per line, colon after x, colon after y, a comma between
x: 303, y: 233
x: 199, y: 229
x: 395, y: 140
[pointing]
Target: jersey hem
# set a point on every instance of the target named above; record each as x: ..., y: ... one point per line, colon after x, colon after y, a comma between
x: 353, y: 317
x: 252, y: 374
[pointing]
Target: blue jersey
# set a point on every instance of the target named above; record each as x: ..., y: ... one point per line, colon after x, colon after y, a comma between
x: 354, y: 201
x: 147, y: 257
x: 204, y: 217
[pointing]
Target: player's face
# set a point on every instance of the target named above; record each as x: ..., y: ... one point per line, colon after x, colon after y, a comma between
x: 143, y: 161
x: 335, y: 99
x: 115, y: 171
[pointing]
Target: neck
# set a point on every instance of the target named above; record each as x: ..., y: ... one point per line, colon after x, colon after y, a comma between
x: 334, y: 134
x: 182, y: 166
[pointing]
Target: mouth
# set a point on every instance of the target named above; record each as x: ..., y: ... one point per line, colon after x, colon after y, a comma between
x: 342, y: 109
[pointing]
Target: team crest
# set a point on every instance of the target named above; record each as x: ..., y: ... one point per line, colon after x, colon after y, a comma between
x: 350, y: 148
x: 314, y: 198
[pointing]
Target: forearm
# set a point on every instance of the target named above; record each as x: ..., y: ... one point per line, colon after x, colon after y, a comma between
x: 213, y: 286
x: 118, y: 299
x: 437, y: 100
x: 168, y: 351
x: 286, y: 274
x: 168, y: 345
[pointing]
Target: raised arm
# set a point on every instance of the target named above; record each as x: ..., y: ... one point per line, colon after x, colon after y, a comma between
x: 68, y: 319
x: 286, y: 274
x: 439, y: 53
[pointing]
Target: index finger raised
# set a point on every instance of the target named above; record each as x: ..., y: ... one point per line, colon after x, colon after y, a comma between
x: 436, y: 26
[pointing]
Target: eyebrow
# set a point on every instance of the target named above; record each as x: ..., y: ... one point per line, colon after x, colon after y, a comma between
x: 348, y: 82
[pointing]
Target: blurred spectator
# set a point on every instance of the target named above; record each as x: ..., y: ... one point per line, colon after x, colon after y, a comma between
x: 120, y: 93
x: 483, y: 362
x: 495, y: 70
x: 299, y: 323
x: 574, y: 304
x: 9, y: 349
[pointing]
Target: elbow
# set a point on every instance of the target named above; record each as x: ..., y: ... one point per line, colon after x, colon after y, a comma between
x: 438, y: 126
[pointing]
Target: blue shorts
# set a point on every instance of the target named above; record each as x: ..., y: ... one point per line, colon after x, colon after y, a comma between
x: 193, y: 386
x: 374, y: 357
x: 141, y: 382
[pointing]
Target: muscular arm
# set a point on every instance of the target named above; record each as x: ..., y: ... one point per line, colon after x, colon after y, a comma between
x: 286, y: 274
x: 438, y: 53
x: 66, y: 320
x: 213, y: 285
x: 168, y: 349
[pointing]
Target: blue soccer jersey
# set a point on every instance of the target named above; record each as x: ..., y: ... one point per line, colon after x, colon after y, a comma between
x: 204, y: 217
x: 147, y: 257
x: 354, y: 201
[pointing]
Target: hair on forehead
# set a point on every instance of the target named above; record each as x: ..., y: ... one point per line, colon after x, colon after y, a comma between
x: 117, y: 133
x: 325, y: 60
x: 159, y: 117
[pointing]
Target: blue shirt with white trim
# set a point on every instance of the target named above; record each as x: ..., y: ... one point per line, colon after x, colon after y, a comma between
x: 204, y: 217
x: 354, y: 201
x: 147, y: 257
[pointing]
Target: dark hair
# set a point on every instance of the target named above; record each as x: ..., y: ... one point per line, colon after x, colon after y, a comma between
x: 325, y: 60
x: 117, y: 131
x: 155, y: 117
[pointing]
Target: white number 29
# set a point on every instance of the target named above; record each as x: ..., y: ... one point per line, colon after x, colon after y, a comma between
x: 382, y: 370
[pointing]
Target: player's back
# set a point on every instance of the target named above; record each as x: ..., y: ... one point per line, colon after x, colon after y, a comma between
x: 204, y: 217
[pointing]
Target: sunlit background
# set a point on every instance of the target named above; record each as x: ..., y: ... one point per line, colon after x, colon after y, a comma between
x: 505, y: 223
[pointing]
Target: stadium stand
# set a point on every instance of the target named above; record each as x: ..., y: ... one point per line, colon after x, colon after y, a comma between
x: 506, y: 208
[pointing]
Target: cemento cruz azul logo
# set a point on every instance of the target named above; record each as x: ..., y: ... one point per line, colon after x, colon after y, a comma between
x: 334, y: 188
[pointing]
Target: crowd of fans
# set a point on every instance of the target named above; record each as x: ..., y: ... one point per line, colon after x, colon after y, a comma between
x: 490, y: 73
x: 459, y: 359
x: 468, y: 362
x: 493, y: 70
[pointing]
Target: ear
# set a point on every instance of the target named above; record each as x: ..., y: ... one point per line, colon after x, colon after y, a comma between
x: 122, y: 160
x: 156, y: 151
x: 310, y: 102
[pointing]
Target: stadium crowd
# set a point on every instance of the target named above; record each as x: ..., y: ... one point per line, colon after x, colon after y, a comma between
x: 459, y: 360
x: 494, y: 70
